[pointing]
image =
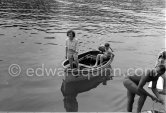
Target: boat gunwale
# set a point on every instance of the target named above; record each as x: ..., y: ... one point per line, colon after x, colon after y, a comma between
x: 87, y: 69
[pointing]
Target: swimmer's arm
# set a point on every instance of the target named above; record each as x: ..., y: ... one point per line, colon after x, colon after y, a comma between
x: 142, y: 82
x: 154, y: 83
x: 155, y: 91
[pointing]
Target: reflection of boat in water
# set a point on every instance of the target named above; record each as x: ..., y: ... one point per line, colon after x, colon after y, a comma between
x: 84, y: 78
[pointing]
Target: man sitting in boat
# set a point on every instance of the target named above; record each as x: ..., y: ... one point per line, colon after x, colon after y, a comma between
x: 107, y: 54
x: 72, y: 48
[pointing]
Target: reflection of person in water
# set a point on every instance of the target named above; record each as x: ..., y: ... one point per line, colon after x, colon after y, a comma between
x: 70, y: 104
x: 72, y: 89
x: 70, y: 94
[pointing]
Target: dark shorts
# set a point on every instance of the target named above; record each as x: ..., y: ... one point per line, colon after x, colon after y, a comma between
x: 128, y: 82
x: 72, y: 56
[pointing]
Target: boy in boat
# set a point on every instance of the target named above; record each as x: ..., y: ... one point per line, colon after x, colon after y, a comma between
x: 106, y: 55
x: 72, y: 48
x: 135, y: 84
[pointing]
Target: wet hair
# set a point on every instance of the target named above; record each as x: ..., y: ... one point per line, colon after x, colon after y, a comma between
x: 163, y: 55
x: 162, y: 68
x: 71, y: 31
x: 107, y: 45
x: 101, y: 48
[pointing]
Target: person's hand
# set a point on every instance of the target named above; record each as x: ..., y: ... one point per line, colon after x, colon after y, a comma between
x: 154, y: 99
x: 158, y: 100
x: 161, y: 101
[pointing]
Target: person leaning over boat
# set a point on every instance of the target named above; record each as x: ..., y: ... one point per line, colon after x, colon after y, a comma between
x: 135, y: 83
x: 72, y: 48
x: 162, y: 60
x: 107, y: 53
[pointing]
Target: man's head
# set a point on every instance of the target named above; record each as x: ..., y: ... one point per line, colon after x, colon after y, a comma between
x: 160, y: 69
x: 107, y: 45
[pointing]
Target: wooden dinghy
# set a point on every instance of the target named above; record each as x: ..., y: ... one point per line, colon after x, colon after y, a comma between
x: 85, y: 77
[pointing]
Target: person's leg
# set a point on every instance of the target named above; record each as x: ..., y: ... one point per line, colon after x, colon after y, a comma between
x: 70, y: 104
x: 130, y: 101
x: 132, y: 89
x: 141, y: 102
x: 71, y: 63
x: 101, y: 59
x: 76, y: 60
x: 70, y: 58
x: 97, y: 59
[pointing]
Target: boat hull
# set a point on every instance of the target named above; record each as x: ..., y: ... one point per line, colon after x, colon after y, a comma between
x: 81, y: 80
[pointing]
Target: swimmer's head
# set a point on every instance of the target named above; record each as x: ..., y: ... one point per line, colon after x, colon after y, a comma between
x: 160, y: 69
x: 163, y: 55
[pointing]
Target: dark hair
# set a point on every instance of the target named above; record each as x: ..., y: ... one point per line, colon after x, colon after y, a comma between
x: 164, y: 54
x: 107, y: 45
x: 162, y: 68
x: 71, y: 31
x: 101, y: 48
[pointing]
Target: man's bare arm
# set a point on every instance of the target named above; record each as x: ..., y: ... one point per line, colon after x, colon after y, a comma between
x: 155, y: 91
x: 142, y: 82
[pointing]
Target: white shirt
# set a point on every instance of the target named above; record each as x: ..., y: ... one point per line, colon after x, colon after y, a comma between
x: 72, y: 45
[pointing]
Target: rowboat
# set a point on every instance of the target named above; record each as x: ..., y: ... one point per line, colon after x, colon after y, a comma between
x: 85, y: 77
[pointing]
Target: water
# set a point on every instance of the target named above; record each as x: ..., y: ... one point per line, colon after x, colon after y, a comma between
x: 32, y: 33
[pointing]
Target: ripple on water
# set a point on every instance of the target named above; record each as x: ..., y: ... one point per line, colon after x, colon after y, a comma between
x: 145, y: 36
x: 100, y: 17
x: 115, y: 41
x: 24, y: 28
x: 33, y: 33
x: 49, y: 37
x: 40, y: 29
x: 38, y: 43
x: 50, y: 44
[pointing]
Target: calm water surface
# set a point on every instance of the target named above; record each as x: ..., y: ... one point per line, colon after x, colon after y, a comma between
x: 32, y: 33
